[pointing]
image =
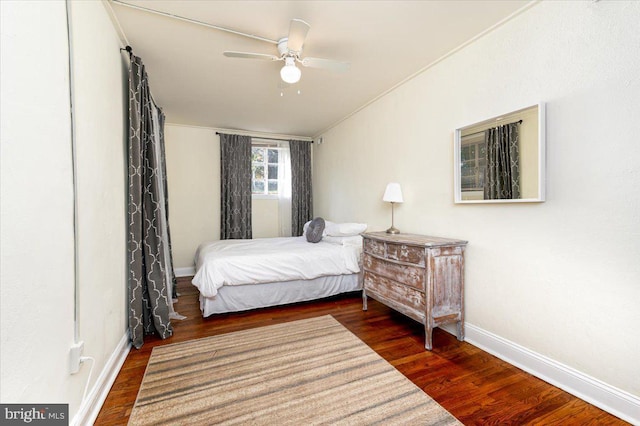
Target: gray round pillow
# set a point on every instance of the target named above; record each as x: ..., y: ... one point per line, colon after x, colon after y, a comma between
x: 315, y: 230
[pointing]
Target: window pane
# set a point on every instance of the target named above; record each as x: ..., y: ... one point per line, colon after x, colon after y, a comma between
x: 258, y: 172
x: 273, y: 172
x: 468, y: 152
x: 467, y: 183
x: 273, y: 156
x: 258, y: 187
x: 467, y: 167
x: 273, y: 186
x: 257, y: 154
x: 467, y: 171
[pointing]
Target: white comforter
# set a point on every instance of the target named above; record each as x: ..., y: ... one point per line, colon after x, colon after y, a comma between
x: 263, y: 260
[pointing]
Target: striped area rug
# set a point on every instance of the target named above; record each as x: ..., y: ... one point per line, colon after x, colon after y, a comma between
x: 311, y: 371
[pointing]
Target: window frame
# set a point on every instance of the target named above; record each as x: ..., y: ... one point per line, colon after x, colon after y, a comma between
x: 265, y: 145
x: 474, y: 140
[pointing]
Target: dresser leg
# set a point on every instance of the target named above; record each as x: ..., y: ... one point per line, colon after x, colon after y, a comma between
x: 428, y: 339
x: 364, y: 300
x: 460, y: 326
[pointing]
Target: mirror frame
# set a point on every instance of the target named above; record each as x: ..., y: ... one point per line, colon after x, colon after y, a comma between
x: 541, y: 159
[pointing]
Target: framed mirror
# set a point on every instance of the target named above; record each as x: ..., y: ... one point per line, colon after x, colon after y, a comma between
x: 501, y: 159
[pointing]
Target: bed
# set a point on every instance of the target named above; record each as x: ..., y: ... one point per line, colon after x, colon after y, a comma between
x: 238, y: 275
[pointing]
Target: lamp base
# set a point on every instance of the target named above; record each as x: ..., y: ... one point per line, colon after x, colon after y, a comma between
x: 393, y: 230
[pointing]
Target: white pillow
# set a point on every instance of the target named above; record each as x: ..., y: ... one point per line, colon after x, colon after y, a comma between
x: 305, y: 227
x: 354, y: 240
x: 344, y: 229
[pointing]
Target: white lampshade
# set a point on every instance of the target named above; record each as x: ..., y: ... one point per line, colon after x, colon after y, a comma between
x: 290, y: 73
x: 393, y: 193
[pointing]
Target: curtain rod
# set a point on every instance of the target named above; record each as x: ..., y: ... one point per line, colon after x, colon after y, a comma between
x: 269, y: 139
x: 129, y: 50
x: 482, y: 131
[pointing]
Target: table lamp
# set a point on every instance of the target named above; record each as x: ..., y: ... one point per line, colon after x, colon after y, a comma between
x: 393, y: 194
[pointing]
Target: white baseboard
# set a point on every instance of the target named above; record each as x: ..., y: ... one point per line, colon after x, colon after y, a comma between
x: 91, y: 406
x: 184, y: 272
x: 615, y: 401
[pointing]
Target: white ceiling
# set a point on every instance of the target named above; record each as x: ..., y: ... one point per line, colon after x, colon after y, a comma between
x: 385, y: 41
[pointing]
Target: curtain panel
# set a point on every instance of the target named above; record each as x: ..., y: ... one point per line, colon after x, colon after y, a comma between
x: 235, y: 189
x: 301, y: 189
x: 284, y: 190
x: 173, y: 282
x: 149, y: 280
x: 502, y: 175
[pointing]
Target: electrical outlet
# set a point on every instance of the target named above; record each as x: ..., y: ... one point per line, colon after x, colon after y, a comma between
x: 74, y: 357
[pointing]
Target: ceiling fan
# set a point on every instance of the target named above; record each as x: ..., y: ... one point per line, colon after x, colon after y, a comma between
x: 290, y: 51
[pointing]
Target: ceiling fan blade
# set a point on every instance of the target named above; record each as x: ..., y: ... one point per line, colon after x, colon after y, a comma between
x: 298, y: 30
x: 327, y: 64
x: 247, y: 55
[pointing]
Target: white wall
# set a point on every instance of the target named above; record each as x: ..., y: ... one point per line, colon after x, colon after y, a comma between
x: 193, y: 174
x: 559, y: 278
x: 265, y: 222
x: 37, y: 199
x: 101, y: 109
x: 37, y: 206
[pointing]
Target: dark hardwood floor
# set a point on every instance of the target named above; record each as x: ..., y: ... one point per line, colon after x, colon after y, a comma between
x: 477, y: 388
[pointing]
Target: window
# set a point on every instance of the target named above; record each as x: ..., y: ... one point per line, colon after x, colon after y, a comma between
x: 473, y: 157
x: 264, y: 169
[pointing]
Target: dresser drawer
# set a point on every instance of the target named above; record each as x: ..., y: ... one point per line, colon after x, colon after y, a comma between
x: 374, y: 247
x: 396, y: 292
x: 411, y: 276
x: 405, y: 253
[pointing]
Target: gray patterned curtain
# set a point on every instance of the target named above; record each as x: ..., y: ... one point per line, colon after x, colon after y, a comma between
x: 301, y: 195
x: 165, y: 186
x: 502, y: 175
x: 149, y: 281
x: 235, y: 190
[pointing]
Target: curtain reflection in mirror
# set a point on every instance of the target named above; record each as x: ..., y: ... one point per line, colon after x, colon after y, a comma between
x: 502, y: 174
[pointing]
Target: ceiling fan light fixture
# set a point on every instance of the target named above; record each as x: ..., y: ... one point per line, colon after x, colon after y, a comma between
x: 289, y: 72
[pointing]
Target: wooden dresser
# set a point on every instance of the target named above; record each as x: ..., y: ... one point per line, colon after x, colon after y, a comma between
x: 419, y: 276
